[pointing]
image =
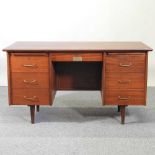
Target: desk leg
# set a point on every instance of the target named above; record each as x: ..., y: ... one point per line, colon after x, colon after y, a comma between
x: 118, y: 108
x: 38, y: 108
x: 32, y: 113
x: 122, y: 110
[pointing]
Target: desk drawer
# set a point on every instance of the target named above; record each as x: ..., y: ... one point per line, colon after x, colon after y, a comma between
x: 76, y: 57
x: 125, y: 63
x: 29, y: 63
x: 30, y: 97
x: 125, y: 97
x: 30, y: 80
x: 125, y: 80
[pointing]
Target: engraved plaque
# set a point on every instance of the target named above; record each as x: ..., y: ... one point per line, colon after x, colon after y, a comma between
x: 77, y: 58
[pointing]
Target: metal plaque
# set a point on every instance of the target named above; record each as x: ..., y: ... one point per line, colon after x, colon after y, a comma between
x: 77, y: 58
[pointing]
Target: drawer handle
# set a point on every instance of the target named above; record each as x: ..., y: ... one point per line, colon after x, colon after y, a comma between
x: 31, y: 82
x: 77, y: 58
x: 125, y: 65
x: 34, y: 98
x: 30, y: 65
x: 123, y: 98
x: 124, y: 82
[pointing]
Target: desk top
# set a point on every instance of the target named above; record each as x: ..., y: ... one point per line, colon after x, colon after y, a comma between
x: 76, y: 46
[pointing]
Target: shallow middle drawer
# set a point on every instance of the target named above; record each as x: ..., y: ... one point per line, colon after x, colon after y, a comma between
x: 76, y: 57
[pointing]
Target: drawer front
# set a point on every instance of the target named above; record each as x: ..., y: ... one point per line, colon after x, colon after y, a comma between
x: 29, y: 63
x: 30, y: 80
x: 125, y: 80
x: 125, y: 63
x: 30, y: 97
x: 125, y: 97
x: 76, y: 57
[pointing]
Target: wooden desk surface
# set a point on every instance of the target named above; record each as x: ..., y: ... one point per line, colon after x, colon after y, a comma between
x: 77, y: 46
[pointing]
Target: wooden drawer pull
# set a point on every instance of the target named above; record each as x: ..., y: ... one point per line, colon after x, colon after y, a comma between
x: 125, y: 65
x: 34, y: 98
x: 31, y: 82
x: 123, y: 98
x: 124, y: 81
x: 30, y: 65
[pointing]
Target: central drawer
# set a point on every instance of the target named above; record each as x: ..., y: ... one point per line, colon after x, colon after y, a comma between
x: 76, y: 57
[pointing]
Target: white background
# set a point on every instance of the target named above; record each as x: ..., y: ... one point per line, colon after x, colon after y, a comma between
x: 77, y: 20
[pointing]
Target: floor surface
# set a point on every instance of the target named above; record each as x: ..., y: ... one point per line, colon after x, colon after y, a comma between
x: 77, y: 124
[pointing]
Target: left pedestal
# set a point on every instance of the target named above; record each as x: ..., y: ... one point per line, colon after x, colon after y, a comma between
x: 29, y: 80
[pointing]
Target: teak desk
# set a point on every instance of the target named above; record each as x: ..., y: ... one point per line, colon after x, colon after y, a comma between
x: 36, y: 70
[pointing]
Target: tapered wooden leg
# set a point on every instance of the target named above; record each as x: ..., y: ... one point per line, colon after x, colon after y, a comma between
x: 122, y: 110
x: 118, y: 108
x: 32, y: 113
x: 38, y: 108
